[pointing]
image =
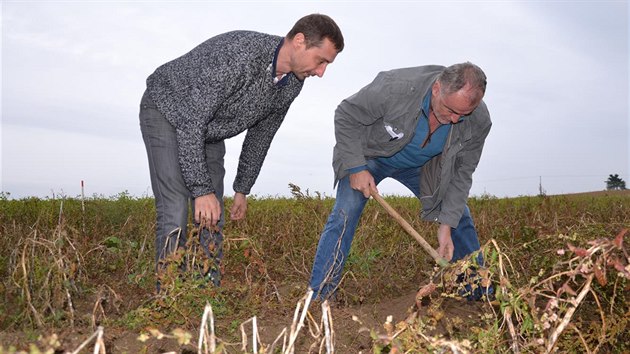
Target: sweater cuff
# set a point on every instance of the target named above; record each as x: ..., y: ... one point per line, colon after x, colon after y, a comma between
x: 201, y: 190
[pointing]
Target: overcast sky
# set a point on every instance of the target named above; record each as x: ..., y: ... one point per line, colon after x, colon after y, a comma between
x: 73, y: 73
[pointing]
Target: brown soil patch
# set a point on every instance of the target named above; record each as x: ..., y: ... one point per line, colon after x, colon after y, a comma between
x: 353, y: 325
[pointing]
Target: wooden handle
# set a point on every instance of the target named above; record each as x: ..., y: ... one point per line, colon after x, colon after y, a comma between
x: 410, y: 230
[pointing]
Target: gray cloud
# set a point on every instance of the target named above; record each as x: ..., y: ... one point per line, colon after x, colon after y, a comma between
x: 73, y: 74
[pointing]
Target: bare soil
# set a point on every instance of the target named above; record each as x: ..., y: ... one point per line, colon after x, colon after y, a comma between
x: 354, y: 325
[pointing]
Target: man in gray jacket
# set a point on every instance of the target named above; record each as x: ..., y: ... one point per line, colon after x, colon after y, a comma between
x: 236, y: 81
x: 423, y: 126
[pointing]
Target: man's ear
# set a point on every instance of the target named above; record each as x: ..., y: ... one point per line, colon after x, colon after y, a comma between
x: 299, y: 40
x: 435, y: 88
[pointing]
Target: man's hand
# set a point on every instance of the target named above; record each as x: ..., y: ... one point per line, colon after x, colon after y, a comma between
x: 446, y: 248
x: 239, y: 208
x: 363, y: 182
x: 207, y: 210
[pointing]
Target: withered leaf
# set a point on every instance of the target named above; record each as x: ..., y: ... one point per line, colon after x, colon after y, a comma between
x: 619, y: 239
x: 600, y: 275
x: 580, y: 252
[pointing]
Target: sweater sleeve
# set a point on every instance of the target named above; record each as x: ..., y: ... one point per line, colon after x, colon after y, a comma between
x: 192, y: 161
x: 459, y: 187
x: 255, y: 147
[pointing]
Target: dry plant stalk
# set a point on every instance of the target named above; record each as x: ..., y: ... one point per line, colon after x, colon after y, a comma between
x: 327, y: 323
x: 62, y: 267
x: 296, y: 326
x: 505, y: 282
x: 47, y: 292
x: 255, y: 335
x: 585, y: 266
x: 553, y: 338
x: 283, y: 335
x: 590, y: 263
x: 104, y: 294
x: 99, y: 344
x: 25, y: 273
x: 204, y: 337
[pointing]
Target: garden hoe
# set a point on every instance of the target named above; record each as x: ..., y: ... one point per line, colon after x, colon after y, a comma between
x: 410, y: 230
x: 429, y: 288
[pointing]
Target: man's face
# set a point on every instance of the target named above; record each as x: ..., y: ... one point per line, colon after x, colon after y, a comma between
x: 312, y: 61
x: 448, y: 109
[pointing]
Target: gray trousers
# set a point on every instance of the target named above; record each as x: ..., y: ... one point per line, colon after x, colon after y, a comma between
x: 172, y: 197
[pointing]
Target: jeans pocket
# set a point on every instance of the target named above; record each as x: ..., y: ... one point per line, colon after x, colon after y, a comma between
x: 146, y: 102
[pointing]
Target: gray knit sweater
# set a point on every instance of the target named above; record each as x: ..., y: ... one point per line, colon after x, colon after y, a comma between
x: 219, y: 89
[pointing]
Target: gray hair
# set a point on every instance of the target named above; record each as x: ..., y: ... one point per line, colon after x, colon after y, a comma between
x: 456, y: 76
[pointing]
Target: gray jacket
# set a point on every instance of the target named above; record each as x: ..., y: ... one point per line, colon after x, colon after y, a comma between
x: 393, y: 99
x: 219, y: 89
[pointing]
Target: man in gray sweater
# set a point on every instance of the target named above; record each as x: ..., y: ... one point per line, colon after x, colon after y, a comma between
x: 236, y: 81
x: 424, y: 127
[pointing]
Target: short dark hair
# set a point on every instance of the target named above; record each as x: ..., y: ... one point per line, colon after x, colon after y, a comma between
x: 456, y: 76
x: 315, y: 28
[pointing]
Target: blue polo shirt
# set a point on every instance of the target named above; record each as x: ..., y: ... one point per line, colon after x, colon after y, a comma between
x: 414, y: 154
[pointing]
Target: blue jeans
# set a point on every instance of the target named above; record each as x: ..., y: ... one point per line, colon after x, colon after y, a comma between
x: 172, y: 197
x: 335, y: 240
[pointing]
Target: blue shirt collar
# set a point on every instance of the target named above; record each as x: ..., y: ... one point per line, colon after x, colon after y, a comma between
x: 426, y: 103
x: 285, y: 78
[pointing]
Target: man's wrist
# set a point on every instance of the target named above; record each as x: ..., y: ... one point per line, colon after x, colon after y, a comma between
x: 357, y: 169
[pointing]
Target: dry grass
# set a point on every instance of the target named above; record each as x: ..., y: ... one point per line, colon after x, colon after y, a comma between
x: 559, y: 264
